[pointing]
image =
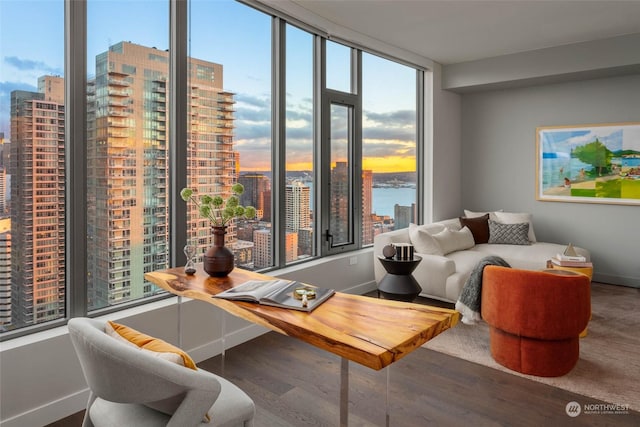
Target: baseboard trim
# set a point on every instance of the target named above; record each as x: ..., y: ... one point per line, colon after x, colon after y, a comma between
x: 50, y: 412
x: 632, y: 282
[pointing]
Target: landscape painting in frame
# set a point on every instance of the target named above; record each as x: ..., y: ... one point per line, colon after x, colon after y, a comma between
x: 589, y: 163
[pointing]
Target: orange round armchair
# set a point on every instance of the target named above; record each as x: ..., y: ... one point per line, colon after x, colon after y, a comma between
x: 536, y: 318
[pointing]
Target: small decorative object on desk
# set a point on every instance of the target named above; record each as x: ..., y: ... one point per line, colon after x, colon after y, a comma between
x: 190, y: 252
x: 404, y: 251
x: 570, y: 258
x: 389, y: 251
x: 570, y: 250
x: 218, y: 260
x: 279, y: 293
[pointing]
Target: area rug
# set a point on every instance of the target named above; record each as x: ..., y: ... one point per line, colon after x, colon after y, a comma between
x: 609, y: 364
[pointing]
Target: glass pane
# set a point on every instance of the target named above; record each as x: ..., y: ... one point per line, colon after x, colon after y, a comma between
x: 388, y: 147
x: 299, y: 145
x: 230, y: 122
x: 338, y: 67
x: 127, y: 148
x: 32, y: 174
x: 340, y: 211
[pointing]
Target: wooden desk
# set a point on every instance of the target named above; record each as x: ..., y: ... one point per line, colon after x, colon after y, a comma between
x: 372, y: 332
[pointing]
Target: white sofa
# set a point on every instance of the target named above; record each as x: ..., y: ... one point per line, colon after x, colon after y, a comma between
x: 442, y: 273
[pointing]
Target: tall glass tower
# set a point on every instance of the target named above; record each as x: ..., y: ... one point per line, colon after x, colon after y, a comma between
x: 127, y: 199
x: 37, y: 238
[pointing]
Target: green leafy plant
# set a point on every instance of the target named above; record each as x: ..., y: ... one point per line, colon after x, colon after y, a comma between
x: 216, y: 209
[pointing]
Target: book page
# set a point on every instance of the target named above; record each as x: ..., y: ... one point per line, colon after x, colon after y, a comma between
x: 253, y: 290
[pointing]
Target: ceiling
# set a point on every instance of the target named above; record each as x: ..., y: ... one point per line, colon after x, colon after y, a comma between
x: 452, y: 31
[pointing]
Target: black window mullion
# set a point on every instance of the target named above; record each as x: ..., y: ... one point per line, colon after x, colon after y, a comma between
x: 75, y: 64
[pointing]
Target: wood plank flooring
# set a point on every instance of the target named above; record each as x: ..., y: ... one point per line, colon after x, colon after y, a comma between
x: 295, y: 384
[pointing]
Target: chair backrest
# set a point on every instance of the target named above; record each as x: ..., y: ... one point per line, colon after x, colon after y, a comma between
x: 120, y: 373
x: 536, y: 303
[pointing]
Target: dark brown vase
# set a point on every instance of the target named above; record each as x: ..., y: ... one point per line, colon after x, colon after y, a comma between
x: 218, y: 259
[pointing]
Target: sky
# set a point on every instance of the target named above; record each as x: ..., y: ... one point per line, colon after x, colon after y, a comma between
x: 238, y: 37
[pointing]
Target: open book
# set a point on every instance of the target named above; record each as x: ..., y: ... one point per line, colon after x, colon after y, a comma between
x: 279, y: 293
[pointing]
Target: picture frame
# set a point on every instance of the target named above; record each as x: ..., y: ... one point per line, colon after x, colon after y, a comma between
x: 594, y: 163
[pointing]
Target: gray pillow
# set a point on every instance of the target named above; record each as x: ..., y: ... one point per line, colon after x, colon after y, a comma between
x: 509, y: 234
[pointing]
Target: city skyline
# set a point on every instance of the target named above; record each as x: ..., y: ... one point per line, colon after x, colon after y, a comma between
x: 127, y: 150
x: 388, y: 130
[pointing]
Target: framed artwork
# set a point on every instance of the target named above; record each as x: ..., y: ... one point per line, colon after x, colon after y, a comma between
x: 589, y: 163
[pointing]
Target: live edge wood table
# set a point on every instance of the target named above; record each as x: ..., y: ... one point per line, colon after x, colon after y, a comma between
x: 369, y: 331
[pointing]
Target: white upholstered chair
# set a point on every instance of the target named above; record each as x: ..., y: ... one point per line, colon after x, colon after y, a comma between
x: 129, y: 387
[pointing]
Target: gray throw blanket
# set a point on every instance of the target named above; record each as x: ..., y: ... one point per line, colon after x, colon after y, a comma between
x: 470, y: 299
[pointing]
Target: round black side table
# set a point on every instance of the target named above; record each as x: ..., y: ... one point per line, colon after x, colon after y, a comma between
x: 398, y: 283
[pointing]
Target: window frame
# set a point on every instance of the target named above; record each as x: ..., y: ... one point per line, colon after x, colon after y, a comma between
x: 75, y: 72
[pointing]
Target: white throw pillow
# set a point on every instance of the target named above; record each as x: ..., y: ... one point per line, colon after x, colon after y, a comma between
x: 516, y: 218
x: 451, y: 240
x: 423, y: 241
x: 473, y: 214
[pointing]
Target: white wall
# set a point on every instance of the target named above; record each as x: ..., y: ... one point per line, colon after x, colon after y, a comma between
x: 445, y: 154
x: 504, y: 99
x: 498, y: 164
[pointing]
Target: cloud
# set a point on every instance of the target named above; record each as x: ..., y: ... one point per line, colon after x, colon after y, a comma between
x: 392, y: 118
x: 260, y: 102
x: 28, y: 65
x: 252, y: 130
x: 27, y: 71
x: 388, y: 148
x: 403, y: 134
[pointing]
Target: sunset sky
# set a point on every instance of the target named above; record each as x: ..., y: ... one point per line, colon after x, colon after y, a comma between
x: 237, y: 37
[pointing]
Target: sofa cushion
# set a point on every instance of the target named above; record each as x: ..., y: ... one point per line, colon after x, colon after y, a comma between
x: 509, y: 234
x: 473, y: 214
x: 451, y: 224
x: 516, y: 218
x: 451, y: 240
x: 422, y: 239
x: 479, y: 227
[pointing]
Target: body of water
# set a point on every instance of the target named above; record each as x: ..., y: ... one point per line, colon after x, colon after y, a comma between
x: 385, y: 198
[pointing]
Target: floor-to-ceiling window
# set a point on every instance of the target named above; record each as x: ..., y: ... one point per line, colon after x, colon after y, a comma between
x: 229, y: 122
x: 32, y: 171
x: 299, y: 192
x: 389, y: 142
x: 322, y: 135
x: 127, y: 148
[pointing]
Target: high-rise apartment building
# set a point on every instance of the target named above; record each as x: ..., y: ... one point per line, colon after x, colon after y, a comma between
x: 37, y: 169
x: 298, y: 217
x: 5, y: 273
x: 257, y: 193
x: 262, y: 251
x: 4, y: 163
x: 403, y: 215
x: 305, y: 242
x: 127, y: 156
x: 297, y: 202
x: 291, y: 246
x: 367, y: 207
x: 339, y: 215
